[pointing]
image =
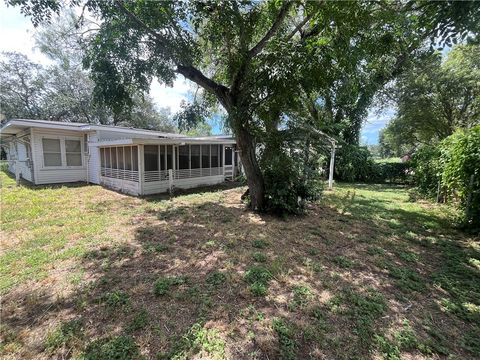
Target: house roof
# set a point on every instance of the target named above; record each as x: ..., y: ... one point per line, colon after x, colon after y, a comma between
x: 15, y: 126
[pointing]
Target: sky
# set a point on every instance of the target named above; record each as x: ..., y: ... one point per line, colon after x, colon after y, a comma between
x: 16, y: 34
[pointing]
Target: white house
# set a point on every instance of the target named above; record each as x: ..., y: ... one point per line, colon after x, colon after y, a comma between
x: 134, y: 161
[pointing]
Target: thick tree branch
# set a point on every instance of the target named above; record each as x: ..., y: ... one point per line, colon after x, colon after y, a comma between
x: 257, y: 49
x: 299, y: 27
x: 195, y: 75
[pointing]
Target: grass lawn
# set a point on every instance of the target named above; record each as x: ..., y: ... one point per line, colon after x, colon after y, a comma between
x: 89, y: 273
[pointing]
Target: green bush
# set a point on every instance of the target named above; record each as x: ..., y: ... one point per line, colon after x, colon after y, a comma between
x: 355, y: 163
x: 453, y: 162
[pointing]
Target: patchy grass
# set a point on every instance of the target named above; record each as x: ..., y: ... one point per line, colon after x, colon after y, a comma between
x: 366, y: 273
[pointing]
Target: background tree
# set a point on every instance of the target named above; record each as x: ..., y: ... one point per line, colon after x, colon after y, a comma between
x: 435, y: 98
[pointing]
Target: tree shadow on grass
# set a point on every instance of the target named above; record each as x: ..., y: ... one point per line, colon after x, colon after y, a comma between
x: 189, y: 283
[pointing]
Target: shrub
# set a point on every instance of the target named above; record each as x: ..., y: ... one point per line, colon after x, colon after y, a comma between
x: 163, y: 285
x: 453, y: 162
x: 354, y: 163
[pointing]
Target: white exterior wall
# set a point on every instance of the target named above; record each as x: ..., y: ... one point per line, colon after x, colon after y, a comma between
x: 155, y: 187
x: 125, y: 186
x: 45, y: 175
x: 19, y: 150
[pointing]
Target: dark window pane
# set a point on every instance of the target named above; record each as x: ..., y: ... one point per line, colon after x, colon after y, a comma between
x: 228, y: 155
x: 205, y: 156
x: 195, y: 153
x: 151, y: 157
x: 162, y: 157
x: 169, y: 157
x: 183, y: 153
x: 214, y: 156
x: 102, y: 157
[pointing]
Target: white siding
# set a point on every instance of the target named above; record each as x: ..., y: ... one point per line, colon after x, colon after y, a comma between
x: 24, y: 163
x: 44, y: 175
x: 125, y: 186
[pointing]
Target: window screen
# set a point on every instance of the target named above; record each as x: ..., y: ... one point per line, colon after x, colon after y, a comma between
x: 128, y: 158
x: 135, y: 158
x: 162, y: 157
x: 120, y: 162
x: 73, y: 152
x: 214, y: 156
x: 102, y: 157
x: 52, y: 154
x: 183, y: 154
x: 205, y: 156
x: 195, y: 156
x: 151, y: 157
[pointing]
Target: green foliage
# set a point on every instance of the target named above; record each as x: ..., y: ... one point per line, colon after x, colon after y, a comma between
x: 355, y: 163
x: 216, y: 278
x: 162, y: 286
x: 287, y: 344
x: 139, y: 321
x: 258, y: 277
x: 259, y: 257
x: 116, y: 299
x: 113, y: 348
x: 259, y: 244
x: 302, y: 295
x: 65, y: 334
x: 454, y: 162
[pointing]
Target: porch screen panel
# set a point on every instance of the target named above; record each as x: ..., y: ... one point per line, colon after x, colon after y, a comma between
x: 162, y: 158
x: 220, y: 155
x: 214, y: 156
x: 169, y: 157
x: 128, y: 158
x: 121, y: 165
x: 205, y: 156
x: 102, y: 157
x: 108, y: 157
x: 151, y: 157
x: 195, y: 155
x: 114, y: 158
x: 183, y: 157
x: 135, y: 158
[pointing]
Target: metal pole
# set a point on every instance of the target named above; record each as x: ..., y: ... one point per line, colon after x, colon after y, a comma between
x: 332, y: 164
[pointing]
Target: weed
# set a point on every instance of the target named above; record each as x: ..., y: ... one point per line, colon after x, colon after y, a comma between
x: 163, y: 285
x: 406, y: 279
x: 343, y: 262
x: 121, y: 348
x: 216, y: 278
x: 287, y: 345
x: 301, y: 296
x: 259, y: 244
x: 258, y: 277
x: 375, y: 250
x: 408, y: 256
x: 64, y: 335
x: 139, y: 321
x: 116, y: 299
x: 259, y: 257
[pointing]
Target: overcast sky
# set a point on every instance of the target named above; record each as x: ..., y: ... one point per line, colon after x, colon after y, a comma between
x: 16, y: 34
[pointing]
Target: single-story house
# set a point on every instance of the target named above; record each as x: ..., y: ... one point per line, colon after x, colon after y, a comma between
x: 134, y: 161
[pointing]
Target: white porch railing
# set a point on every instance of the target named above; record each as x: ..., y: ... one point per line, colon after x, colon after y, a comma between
x: 130, y: 175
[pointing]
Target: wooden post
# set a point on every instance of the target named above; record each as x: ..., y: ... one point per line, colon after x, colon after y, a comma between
x: 332, y: 164
x: 17, y: 172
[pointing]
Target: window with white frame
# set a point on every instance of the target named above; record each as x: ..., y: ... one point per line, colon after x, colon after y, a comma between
x: 73, y: 152
x: 52, y: 152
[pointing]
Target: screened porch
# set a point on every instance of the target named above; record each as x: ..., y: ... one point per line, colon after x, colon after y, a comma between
x: 154, y: 168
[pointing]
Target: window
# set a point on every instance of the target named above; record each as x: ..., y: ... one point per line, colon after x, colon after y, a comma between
x: 183, y: 157
x: 195, y: 156
x: 52, y: 152
x: 73, y: 152
x: 151, y: 157
x: 205, y: 156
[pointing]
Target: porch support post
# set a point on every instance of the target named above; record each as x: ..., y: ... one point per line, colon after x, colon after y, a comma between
x: 223, y: 160
x: 170, y: 181
x: 174, y: 156
x: 233, y: 163
x: 332, y: 164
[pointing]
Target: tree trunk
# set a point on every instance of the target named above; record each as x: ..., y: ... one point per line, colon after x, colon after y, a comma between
x: 256, y: 184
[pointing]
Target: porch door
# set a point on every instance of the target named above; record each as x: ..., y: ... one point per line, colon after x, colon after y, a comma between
x: 229, y: 162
